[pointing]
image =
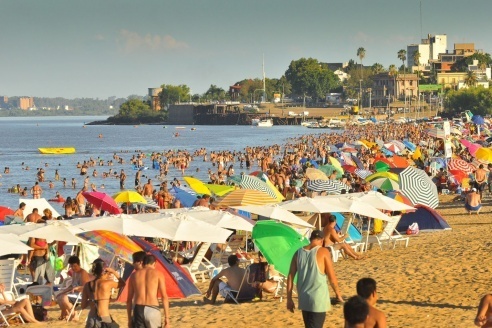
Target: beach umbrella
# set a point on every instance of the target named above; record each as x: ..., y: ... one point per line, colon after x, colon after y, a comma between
x: 183, y: 227
x: 186, y: 197
x: 381, y: 166
x: 328, y: 169
x: 312, y: 205
x: 278, y: 243
x: 411, y: 146
x: 385, y: 184
x: 456, y: 131
x: 476, y: 164
x: 435, y: 132
x: 275, y: 212
x: 418, y: 187
x: 330, y: 186
x: 398, y: 196
x: 263, y: 177
x: 378, y: 175
x: 369, y: 144
x: 396, y: 161
x: 11, y: 244
x: 332, y: 148
x: 354, y: 205
x: 458, y: 175
x: 347, y: 159
x: 349, y: 168
x: 457, y: 164
x: 392, y: 147
x: 348, y: 149
x: 400, y: 144
x: 223, y: 219
x: 117, y: 244
x: 363, y: 174
x: 383, y: 202
x: 102, y: 201
x: 4, y: 211
x: 242, y: 197
x: 315, y: 174
x: 254, y: 183
x: 54, y: 230
x: 360, y: 143
x: 484, y: 155
x: 128, y: 196
x: 473, y: 148
x: 357, y: 162
x: 336, y: 163
x: 477, y: 119
x: 122, y: 224
x: 219, y: 190
x: 198, y: 186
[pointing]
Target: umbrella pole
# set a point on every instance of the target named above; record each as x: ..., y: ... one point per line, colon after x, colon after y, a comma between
x: 368, y: 231
x: 319, y: 221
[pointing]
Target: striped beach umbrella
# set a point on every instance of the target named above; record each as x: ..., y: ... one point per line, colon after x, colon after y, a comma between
x: 392, y: 147
x: 315, y: 174
x: 112, y: 242
x: 243, y: 197
x: 252, y: 182
x: 460, y: 165
x: 330, y: 186
x: 418, y: 187
x: 362, y: 173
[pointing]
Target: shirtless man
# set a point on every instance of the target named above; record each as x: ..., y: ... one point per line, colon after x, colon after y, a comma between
x: 36, y: 191
x: 34, y: 217
x: 333, y: 239
x: 144, y: 284
x: 81, y: 201
x: 122, y: 179
x: 473, y: 201
x: 148, y: 189
x: 366, y: 288
x: 480, y: 179
x: 137, y: 178
x: 20, y: 211
x: 204, y: 201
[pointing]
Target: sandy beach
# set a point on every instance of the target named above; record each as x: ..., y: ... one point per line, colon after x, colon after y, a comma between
x: 436, y: 282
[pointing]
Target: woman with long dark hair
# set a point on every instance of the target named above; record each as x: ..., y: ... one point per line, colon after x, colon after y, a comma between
x: 97, y: 294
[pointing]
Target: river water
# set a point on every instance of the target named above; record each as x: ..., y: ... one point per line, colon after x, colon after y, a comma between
x: 21, y: 138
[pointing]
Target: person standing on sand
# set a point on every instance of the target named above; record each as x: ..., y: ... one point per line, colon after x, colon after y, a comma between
x: 366, y: 288
x: 480, y: 179
x: 312, y: 264
x: 143, y: 286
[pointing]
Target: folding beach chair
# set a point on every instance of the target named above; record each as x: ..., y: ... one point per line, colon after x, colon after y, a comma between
x: 5, y: 317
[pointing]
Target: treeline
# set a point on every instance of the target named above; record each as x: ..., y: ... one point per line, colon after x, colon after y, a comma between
x: 137, y: 111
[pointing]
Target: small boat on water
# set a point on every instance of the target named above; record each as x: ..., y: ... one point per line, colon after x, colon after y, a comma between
x: 193, y: 129
x: 266, y: 123
x: 57, y: 151
x: 308, y: 123
x: 180, y: 127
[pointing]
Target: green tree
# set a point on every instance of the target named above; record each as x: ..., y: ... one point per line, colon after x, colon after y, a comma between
x: 214, y: 93
x: 471, y: 79
x: 377, y: 68
x: 402, y: 55
x: 134, y: 108
x: 311, y: 78
x: 393, y: 71
x: 361, y: 53
x: 462, y: 64
x: 172, y: 94
x: 476, y: 99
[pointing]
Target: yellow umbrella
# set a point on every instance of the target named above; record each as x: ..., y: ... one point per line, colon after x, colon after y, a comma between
x: 484, y: 154
x: 315, y: 174
x: 243, y: 197
x: 335, y: 162
x: 220, y: 190
x: 278, y: 194
x: 129, y: 196
x: 198, y: 186
x: 378, y: 175
x: 368, y: 143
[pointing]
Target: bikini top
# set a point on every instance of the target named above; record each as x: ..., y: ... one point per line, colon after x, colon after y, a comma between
x: 40, y: 243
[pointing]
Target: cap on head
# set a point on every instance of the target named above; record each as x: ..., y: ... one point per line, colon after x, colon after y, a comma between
x: 474, y: 189
x: 316, y: 234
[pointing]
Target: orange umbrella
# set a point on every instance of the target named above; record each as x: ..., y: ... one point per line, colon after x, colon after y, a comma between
x: 243, y: 197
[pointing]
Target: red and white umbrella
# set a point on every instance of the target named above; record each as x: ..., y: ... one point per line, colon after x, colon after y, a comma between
x: 460, y: 165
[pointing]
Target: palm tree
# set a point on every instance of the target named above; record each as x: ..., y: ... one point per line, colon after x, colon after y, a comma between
x: 377, y: 68
x: 361, y: 53
x: 471, y: 79
x: 402, y: 55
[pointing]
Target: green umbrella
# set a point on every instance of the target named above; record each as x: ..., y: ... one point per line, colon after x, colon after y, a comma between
x: 328, y: 170
x: 381, y: 166
x: 278, y: 243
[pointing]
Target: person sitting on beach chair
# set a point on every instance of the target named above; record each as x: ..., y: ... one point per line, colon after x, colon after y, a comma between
x: 473, y: 202
x: 333, y: 239
x: 263, y: 276
x: 235, y: 278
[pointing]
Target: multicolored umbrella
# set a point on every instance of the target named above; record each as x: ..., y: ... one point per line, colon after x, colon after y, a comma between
x: 398, y: 196
x: 242, y: 197
x: 458, y: 164
x: 114, y: 243
x: 102, y: 201
x: 254, y: 183
x: 198, y: 186
x: 392, y: 147
x: 378, y: 175
x: 385, y: 184
x: 278, y: 243
x: 458, y: 175
x: 418, y: 187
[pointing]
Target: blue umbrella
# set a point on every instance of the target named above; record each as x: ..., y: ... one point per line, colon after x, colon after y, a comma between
x: 411, y: 146
x: 314, y: 163
x: 333, y: 148
x: 477, y: 119
x: 187, y: 198
x: 357, y: 162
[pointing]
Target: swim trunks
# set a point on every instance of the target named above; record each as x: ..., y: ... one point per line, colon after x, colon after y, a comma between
x: 146, y: 316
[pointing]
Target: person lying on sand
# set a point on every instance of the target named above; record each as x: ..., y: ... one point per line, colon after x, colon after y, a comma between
x: 333, y: 239
x: 484, y: 313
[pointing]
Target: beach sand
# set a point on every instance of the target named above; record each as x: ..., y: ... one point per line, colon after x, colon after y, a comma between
x: 436, y: 282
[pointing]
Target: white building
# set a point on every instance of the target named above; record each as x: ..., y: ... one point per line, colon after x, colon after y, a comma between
x: 429, y: 49
x: 341, y: 75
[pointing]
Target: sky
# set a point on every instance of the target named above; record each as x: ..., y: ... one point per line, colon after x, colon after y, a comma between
x: 98, y: 49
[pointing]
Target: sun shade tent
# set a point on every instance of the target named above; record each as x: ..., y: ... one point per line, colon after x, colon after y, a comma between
x: 41, y: 204
x: 427, y: 218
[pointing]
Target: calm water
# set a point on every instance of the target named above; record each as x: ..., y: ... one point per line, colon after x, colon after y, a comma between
x: 21, y: 138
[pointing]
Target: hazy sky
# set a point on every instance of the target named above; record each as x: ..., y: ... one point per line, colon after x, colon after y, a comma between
x: 101, y: 48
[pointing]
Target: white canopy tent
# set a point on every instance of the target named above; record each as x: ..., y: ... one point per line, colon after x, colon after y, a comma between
x: 41, y: 204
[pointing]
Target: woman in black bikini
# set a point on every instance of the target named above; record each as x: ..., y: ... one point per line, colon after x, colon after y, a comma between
x: 97, y: 294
